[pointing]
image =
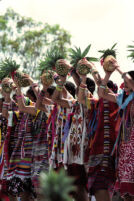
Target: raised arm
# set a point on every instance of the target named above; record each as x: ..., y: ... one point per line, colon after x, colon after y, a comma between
x: 6, y: 104
x: 84, y: 96
x: 75, y: 77
x: 34, y: 85
x: 93, y: 71
x: 58, y: 97
x: 81, y: 91
x: 21, y: 105
x: 103, y: 90
x: 125, y: 75
x: 39, y: 103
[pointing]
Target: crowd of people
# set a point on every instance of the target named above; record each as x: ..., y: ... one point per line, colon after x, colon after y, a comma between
x: 65, y: 126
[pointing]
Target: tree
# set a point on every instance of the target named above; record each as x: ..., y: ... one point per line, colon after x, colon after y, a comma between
x: 26, y: 40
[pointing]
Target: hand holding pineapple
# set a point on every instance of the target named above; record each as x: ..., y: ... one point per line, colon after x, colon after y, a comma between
x: 62, y: 67
x: 9, y: 67
x: 47, y: 79
x: 80, y: 61
x: 55, y: 61
x: 107, y: 57
x: 7, y: 85
x: 108, y: 64
x: 114, y: 63
x: 28, y: 78
x: 6, y: 91
x: 84, y: 61
x: 18, y: 88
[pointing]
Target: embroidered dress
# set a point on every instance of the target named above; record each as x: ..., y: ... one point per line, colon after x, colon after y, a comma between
x: 125, y: 181
x: 19, y: 170
x: 55, y: 133
x: 51, y: 131
x: 5, y: 151
x: 101, y: 142
x: 57, y: 155
x: 3, y: 169
x: 74, y: 143
x: 40, y: 149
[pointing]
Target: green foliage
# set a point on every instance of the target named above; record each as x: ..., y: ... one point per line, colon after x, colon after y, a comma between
x: 27, y: 40
x: 131, y: 50
x: 56, y: 186
x: 52, y: 55
x: 77, y: 54
x: 7, y: 66
x: 108, y: 52
x: 3, y: 23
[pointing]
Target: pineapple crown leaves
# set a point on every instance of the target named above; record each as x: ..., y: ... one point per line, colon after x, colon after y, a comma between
x: 77, y: 54
x: 56, y: 186
x: 7, y: 66
x: 52, y: 55
x: 131, y: 50
x: 108, y: 52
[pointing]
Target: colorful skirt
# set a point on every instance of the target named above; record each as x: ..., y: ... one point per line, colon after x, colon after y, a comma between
x: 100, y: 181
x: 125, y: 181
x: 40, y: 150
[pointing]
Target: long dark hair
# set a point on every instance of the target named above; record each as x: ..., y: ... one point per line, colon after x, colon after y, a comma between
x: 90, y: 85
x: 111, y: 85
x: 131, y: 73
x: 125, y: 95
x: 70, y: 87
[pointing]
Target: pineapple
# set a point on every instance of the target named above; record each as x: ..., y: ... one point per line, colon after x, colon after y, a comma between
x: 106, y: 57
x: 56, y: 186
x: 20, y: 78
x: 62, y: 68
x: 9, y: 67
x: 131, y: 50
x: 47, y: 78
x: 54, y: 60
x: 77, y: 56
x: 6, y: 85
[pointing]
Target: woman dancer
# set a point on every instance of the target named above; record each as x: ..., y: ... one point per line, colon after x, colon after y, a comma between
x: 125, y: 140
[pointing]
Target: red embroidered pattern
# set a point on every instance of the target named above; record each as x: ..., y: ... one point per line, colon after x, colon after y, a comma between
x: 126, y: 159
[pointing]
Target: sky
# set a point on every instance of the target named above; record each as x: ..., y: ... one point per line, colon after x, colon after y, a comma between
x: 98, y: 22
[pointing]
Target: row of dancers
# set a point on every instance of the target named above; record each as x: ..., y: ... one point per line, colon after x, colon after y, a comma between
x: 65, y: 126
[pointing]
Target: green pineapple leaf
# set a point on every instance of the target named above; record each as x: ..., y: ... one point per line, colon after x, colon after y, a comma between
x: 131, y: 50
x: 7, y: 66
x: 101, y: 51
x: 77, y: 54
x: 130, y: 46
x: 52, y: 55
x: 73, y: 51
x: 86, y: 51
x: 112, y: 48
x: 92, y: 59
x: 56, y: 186
x: 108, y: 52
